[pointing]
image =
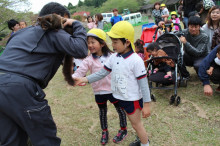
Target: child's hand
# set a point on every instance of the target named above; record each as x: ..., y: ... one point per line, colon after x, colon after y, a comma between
x: 80, y: 80
x: 146, y: 110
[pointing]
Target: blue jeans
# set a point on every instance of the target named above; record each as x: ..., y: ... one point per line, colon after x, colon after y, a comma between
x: 185, y: 21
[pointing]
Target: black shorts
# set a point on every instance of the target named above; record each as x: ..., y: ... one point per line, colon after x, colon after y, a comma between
x: 102, y: 99
x: 131, y: 106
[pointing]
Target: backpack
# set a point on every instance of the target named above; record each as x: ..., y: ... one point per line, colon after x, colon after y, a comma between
x: 207, y: 4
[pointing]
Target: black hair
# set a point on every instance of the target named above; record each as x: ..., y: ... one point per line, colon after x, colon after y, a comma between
x: 194, y: 20
x: 139, y: 44
x: 153, y: 46
x: 199, y: 6
x: 105, y: 48
x: 193, y: 13
x: 88, y: 18
x: 54, y: 7
x: 12, y: 23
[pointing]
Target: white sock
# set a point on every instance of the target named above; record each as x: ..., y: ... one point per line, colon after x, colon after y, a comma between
x: 145, y: 144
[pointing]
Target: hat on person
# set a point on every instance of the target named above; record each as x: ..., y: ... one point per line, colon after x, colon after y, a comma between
x: 173, y: 13
x: 123, y: 29
x: 95, y: 32
x: 163, y: 5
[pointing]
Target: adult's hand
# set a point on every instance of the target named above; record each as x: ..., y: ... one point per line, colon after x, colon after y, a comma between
x: 208, y: 90
x: 183, y: 39
x: 69, y: 22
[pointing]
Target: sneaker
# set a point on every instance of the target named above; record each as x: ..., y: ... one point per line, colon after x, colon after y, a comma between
x: 137, y: 142
x: 168, y: 77
x: 120, y: 136
x: 104, y: 138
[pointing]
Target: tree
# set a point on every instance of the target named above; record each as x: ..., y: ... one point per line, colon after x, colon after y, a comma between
x: 80, y: 3
x: 109, y: 5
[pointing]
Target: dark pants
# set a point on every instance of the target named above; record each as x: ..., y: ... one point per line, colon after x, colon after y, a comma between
x: 215, y: 77
x: 24, y: 113
x: 190, y: 61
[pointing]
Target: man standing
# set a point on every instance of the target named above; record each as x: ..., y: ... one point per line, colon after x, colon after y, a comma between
x: 30, y: 60
x: 116, y: 18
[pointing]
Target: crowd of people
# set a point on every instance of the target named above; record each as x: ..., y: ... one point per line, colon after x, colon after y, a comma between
x: 199, y: 38
x: 118, y: 75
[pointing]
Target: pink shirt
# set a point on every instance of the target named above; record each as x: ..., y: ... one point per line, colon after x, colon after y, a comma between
x: 91, y: 25
x: 141, y: 55
x: 94, y: 65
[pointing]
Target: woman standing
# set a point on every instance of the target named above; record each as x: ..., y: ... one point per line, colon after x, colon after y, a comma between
x: 157, y: 13
x: 98, y: 21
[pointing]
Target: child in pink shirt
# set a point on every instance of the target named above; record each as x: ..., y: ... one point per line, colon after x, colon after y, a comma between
x: 102, y: 89
x: 91, y: 24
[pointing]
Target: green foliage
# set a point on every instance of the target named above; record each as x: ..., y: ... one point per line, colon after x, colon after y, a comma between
x: 77, y: 17
x: 132, y: 5
x: 80, y: 3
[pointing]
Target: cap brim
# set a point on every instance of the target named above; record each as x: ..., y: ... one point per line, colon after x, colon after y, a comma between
x: 91, y: 34
x: 113, y: 35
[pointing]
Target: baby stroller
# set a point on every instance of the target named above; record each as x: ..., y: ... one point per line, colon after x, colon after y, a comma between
x: 172, y: 46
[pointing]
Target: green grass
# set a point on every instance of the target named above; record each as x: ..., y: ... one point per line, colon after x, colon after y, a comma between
x: 196, y: 121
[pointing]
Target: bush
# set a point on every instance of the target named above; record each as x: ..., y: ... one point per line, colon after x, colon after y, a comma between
x: 78, y: 17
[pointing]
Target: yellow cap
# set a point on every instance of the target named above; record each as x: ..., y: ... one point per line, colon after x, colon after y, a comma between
x: 123, y: 29
x: 173, y: 13
x: 163, y: 5
x: 97, y: 33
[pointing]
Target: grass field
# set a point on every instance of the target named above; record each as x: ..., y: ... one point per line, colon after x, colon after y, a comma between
x: 196, y: 121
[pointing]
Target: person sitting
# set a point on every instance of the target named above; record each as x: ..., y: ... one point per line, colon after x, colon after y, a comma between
x: 210, y: 70
x: 162, y: 65
x: 195, y: 45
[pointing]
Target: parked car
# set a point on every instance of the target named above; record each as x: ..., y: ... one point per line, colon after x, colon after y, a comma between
x: 107, y: 16
x: 133, y: 18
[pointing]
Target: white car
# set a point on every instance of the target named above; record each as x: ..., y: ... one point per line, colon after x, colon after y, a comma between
x: 107, y: 16
x: 133, y: 18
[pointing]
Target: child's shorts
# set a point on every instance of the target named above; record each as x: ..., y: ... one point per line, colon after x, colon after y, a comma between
x: 131, y: 106
x: 102, y: 99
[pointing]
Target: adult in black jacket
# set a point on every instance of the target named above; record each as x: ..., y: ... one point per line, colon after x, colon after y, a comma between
x: 30, y: 60
x: 195, y: 45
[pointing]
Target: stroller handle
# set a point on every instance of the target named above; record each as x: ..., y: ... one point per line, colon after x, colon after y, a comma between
x: 165, y: 26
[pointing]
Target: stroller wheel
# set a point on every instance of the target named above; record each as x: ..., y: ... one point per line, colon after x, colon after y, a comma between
x: 172, y: 99
x: 153, y: 98
x: 177, y: 101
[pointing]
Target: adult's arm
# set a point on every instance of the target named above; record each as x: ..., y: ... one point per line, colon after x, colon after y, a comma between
x: 205, y: 64
x: 72, y: 44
